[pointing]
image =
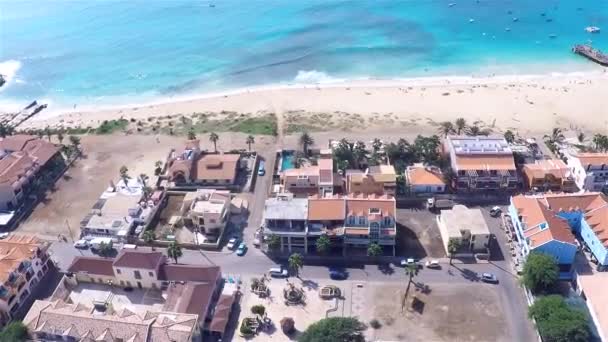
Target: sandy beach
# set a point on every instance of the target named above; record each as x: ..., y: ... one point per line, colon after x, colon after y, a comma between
x: 528, y: 104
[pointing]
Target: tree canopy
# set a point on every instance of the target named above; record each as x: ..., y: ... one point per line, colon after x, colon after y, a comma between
x: 557, y: 322
x: 540, y: 272
x: 14, y: 332
x: 343, y: 329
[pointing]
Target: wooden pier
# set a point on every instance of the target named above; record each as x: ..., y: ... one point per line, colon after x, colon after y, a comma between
x: 592, y: 54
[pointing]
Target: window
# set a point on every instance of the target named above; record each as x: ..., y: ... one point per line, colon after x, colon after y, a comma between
x: 439, y: 188
x: 118, y: 270
x: 361, y: 220
x: 351, y: 220
x: 387, y: 221
x: 151, y: 274
x: 374, y: 211
x: 137, y: 275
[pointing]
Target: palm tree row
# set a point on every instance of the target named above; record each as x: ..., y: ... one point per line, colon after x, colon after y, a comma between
x: 459, y: 127
x: 600, y: 142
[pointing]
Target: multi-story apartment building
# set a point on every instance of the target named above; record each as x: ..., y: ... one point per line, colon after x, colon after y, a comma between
x: 378, y: 180
x: 481, y: 163
x: 590, y: 170
x: 21, y: 159
x: 23, y: 263
x: 549, y: 223
x: 352, y: 221
x: 310, y: 180
x: 553, y: 175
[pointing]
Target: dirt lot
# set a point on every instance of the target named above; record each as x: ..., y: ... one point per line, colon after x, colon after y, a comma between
x: 454, y: 312
x: 418, y: 234
x: 104, y: 155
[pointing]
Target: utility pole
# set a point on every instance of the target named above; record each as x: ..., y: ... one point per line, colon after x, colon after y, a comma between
x: 70, y: 230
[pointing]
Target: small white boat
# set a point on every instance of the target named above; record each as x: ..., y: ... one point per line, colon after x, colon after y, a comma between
x: 515, y: 19
x: 592, y: 29
x: 471, y: 20
x: 553, y: 36
x: 452, y: 4
x: 507, y: 29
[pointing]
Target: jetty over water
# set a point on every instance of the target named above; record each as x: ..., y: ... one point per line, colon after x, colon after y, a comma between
x: 592, y: 54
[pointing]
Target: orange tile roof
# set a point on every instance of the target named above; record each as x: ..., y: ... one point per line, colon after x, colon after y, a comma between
x: 14, y: 249
x: 569, y: 202
x: 598, y: 221
x: 485, y: 162
x: 535, y: 213
x: 34, y: 146
x: 326, y: 209
x: 587, y: 159
x: 423, y: 176
x: 217, y: 167
x: 541, y: 168
x: 360, y: 205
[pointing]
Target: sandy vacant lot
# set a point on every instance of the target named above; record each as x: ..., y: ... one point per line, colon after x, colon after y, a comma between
x: 454, y: 312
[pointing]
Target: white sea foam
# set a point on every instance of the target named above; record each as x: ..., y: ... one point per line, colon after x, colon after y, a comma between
x: 9, y: 69
x: 314, y: 77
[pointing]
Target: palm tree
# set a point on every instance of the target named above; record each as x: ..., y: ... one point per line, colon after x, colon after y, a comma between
x: 250, y: 140
x: 274, y: 242
x: 48, y: 133
x: 473, y: 131
x: 581, y: 137
x: 446, y: 128
x: 191, y: 134
x: 461, y: 125
x: 557, y: 136
x: 75, y: 141
x: 60, y: 136
x: 410, y: 271
x: 453, y: 247
x: 377, y: 145
x: 509, y: 136
x: 214, y: 138
x: 174, y: 251
x: 143, y: 178
x: 323, y: 244
x: 124, y: 174
x: 601, y: 142
x: 296, y: 262
x: 374, y: 250
x: 149, y: 236
x: 359, y: 153
x: 5, y: 130
x: 158, y: 167
x: 306, y: 141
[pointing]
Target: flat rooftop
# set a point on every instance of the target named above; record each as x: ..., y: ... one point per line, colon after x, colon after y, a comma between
x: 479, y: 145
x: 137, y: 300
x: 462, y: 218
x: 285, y: 207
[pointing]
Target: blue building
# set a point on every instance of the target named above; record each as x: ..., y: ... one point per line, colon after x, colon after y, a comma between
x: 564, y: 216
x: 538, y: 229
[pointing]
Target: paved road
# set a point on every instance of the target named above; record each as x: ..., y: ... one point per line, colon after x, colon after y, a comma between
x: 255, y: 263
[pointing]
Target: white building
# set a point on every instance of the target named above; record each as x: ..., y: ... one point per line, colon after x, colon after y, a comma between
x: 207, y: 209
x: 590, y: 170
x: 118, y: 211
x: 466, y: 226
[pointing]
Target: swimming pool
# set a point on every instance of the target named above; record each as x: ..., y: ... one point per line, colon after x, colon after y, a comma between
x: 287, y: 160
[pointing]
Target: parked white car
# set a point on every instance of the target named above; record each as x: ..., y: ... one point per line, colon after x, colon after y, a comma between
x: 81, y: 244
x: 232, y: 243
x: 434, y: 264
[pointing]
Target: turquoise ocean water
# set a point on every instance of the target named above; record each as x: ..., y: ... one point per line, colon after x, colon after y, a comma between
x: 108, y: 52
